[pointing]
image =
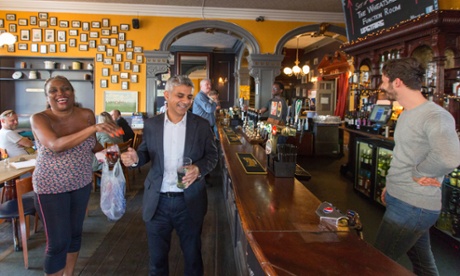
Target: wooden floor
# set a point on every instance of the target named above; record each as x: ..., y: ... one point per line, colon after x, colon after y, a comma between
x: 120, y: 248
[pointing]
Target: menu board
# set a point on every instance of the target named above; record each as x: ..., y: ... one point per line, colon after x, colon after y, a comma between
x: 364, y: 17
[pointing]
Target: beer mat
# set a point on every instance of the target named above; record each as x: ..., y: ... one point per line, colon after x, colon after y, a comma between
x: 232, y: 138
x: 250, y: 163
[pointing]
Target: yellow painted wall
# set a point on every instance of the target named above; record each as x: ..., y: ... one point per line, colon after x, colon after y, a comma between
x: 149, y: 37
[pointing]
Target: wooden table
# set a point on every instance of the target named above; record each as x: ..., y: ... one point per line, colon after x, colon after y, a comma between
x: 8, y: 176
x: 275, y: 229
x: 10, y: 173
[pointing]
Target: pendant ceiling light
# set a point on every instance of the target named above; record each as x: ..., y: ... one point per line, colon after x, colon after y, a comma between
x: 296, y: 70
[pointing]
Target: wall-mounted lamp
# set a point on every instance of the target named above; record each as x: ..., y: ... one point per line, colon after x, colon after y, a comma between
x: 222, y: 80
x: 7, y: 39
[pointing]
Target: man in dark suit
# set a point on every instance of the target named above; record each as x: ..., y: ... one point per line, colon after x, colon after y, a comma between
x: 167, y: 138
x: 121, y: 122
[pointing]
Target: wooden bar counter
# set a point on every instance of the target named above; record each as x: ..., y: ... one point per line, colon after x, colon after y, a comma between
x: 275, y: 230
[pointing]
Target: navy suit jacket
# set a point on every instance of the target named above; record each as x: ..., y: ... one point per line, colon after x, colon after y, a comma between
x: 199, y: 145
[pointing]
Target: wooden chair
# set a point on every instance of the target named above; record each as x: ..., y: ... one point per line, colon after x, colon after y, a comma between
x: 19, y: 208
x: 123, y: 147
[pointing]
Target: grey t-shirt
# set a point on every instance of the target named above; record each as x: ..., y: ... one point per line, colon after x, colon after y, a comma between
x: 426, y: 144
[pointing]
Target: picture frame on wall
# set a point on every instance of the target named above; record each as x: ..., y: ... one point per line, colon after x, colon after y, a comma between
x: 73, y: 32
x: 12, y: 28
x: 114, y: 29
x: 61, y: 36
x: 52, y: 48
x: 76, y: 24
x: 105, y: 72
x: 85, y: 26
x: 92, y: 43
x: 113, y: 42
x: 72, y: 42
x: 107, y: 61
x: 124, y: 27
x: 43, y: 49
x: 129, y: 55
x: 49, y: 35
x: 104, y: 83
x: 33, y: 20
x: 62, y: 47
x: 2, y: 23
x: 136, y: 68
x: 34, y: 48
x: 11, y: 48
x: 121, y: 47
x: 53, y: 21
x: 43, y: 15
x: 22, y: 46
x: 36, y: 35
x: 105, y: 22
x: 124, y: 85
x: 124, y: 75
x: 127, y: 65
x: 105, y: 32
x: 105, y: 41
x: 99, y: 57
x: 94, y: 34
x: 138, y: 49
x: 116, y: 67
x: 83, y: 37
x: 129, y: 44
x: 110, y: 52
x: 96, y: 24
x: 118, y: 57
x: 114, y: 79
x: 125, y: 101
x: 83, y: 47
x: 21, y: 22
x: 134, y: 78
x: 43, y: 24
x: 24, y: 35
x: 64, y: 24
x: 101, y: 48
x: 139, y: 58
x: 10, y: 17
x: 121, y: 36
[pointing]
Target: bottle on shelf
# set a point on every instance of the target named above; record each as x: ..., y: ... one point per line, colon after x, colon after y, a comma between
x: 456, y: 86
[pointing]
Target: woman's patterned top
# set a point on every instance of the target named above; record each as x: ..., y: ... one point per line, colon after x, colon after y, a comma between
x: 59, y: 172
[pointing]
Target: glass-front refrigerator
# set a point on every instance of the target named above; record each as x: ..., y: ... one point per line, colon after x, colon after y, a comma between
x: 384, y: 156
x: 373, y: 159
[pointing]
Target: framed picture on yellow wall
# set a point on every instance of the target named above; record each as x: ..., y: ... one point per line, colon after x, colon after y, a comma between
x: 53, y: 21
x: 105, y: 22
x: 49, y: 35
x: 125, y: 101
x: 85, y: 26
x: 37, y: 35
x: 33, y: 20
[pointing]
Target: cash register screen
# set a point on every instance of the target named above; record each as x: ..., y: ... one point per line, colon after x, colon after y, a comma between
x: 380, y: 114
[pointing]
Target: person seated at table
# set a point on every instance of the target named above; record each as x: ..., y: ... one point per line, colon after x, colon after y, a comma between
x: 103, y: 138
x: 121, y: 122
x: 10, y: 140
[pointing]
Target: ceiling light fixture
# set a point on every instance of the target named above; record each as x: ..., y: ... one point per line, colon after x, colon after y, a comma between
x: 7, y: 39
x: 296, y: 70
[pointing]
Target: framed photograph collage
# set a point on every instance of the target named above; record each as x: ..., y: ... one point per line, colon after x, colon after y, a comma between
x: 45, y: 34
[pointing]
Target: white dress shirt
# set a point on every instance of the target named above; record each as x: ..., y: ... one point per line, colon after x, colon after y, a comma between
x: 173, y: 147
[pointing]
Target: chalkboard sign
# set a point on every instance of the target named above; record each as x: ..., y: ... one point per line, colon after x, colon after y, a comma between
x: 364, y: 17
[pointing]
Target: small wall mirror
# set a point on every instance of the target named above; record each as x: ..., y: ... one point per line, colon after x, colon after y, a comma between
x: 194, y: 65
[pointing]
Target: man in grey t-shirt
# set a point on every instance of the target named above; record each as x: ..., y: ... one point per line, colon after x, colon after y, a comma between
x: 426, y: 149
